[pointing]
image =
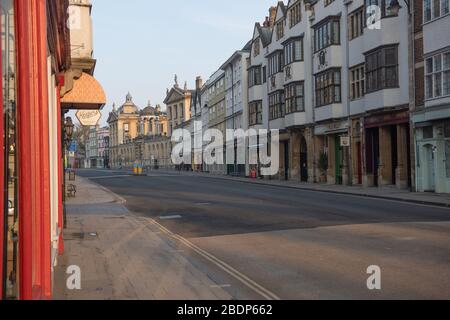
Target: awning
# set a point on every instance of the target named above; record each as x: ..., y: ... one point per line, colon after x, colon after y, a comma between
x: 86, y: 94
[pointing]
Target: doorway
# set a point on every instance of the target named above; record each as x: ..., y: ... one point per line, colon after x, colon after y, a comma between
x: 339, y: 157
x: 430, y: 169
x: 303, y: 161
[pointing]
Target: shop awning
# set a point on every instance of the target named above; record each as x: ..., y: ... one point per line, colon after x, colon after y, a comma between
x: 86, y: 94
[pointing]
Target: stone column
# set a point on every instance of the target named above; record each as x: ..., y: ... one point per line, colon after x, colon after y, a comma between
x: 385, y: 165
x: 401, y: 171
x: 331, y: 173
x: 310, y: 147
x: 319, y: 148
x: 294, y: 155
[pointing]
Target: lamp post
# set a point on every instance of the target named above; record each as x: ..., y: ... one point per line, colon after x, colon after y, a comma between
x: 68, y: 136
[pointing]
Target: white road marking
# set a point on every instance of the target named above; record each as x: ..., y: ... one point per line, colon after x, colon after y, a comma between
x: 170, y: 217
x: 221, y: 264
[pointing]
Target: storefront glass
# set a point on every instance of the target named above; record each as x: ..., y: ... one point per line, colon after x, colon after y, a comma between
x: 10, y: 276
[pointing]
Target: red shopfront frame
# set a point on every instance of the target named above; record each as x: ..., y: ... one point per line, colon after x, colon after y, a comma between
x: 33, y: 150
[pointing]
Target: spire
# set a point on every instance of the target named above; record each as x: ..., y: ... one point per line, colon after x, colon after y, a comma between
x: 185, y: 86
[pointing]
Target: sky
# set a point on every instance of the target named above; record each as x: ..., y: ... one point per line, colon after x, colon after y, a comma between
x: 141, y: 44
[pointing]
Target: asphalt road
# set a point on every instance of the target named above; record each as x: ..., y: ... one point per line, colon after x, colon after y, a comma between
x: 297, y: 244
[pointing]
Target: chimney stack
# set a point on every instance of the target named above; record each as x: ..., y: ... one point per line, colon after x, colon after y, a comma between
x: 198, y: 83
x: 272, y: 16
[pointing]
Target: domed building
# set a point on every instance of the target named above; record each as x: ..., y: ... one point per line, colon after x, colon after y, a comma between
x: 130, y: 128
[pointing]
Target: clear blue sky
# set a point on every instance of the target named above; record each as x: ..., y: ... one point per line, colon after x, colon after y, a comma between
x: 141, y: 44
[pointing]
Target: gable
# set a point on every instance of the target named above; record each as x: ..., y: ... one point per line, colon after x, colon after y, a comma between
x: 173, y: 96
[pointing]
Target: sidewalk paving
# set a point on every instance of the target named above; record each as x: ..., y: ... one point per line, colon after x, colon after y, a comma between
x: 388, y: 192
x: 122, y: 256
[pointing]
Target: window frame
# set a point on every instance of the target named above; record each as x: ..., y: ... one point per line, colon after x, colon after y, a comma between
x: 290, y: 51
x: 376, y: 66
x: 326, y: 87
x: 357, y: 83
x: 291, y: 96
x: 255, y: 113
x: 276, y: 105
x: 325, y: 33
x: 431, y: 76
x: 295, y: 14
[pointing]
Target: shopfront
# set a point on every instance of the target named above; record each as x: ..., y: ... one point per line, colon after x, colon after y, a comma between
x: 386, y: 150
x: 433, y: 156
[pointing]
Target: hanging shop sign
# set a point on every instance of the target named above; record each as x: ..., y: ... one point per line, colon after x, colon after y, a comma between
x: 89, y: 118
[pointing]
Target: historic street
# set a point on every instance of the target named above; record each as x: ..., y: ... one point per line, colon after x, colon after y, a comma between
x: 294, y: 244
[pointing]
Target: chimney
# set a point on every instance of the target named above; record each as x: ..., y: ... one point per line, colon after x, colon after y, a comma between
x: 272, y: 16
x: 198, y: 83
x: 266, y: 22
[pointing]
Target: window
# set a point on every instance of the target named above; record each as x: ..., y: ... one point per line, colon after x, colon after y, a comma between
x: 264, y: 74
x: 328, y: 2
x: 275, y: 63
x: 328, y: 87
x: 437, y: 76
x: 254, y: 76
x: 255, y: 113
x: 293, y: 51
x: 257, y: 47
x: 428, y: 132
x: 126, y: 127
x: 295, y: 14
x: 327, y: 34
x: 433, y: 9
x: 280, y: 29
x: 276, y: 105
x: 357, y: 82
x: 383, y: 4
x: 294, y: 95
x: 382, y: 69
x: 356, y: 22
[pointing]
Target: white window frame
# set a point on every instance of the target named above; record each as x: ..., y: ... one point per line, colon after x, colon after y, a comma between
x: 436, y: 75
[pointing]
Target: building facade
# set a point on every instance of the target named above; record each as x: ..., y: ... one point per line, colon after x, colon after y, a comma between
x: 37, y: 77
x: 236, y: 104
x: 431, y: 116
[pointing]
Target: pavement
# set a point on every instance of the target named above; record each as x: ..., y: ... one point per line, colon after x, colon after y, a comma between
x: 122, y: 256
x: 267, y: 242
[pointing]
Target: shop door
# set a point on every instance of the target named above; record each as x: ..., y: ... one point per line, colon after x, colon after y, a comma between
x: 304, y: 161
x: 286, y: 161
x: 430, y: 169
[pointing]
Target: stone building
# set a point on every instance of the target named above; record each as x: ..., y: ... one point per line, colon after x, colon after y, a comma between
x: 129, y: 126
x: 431, y: 116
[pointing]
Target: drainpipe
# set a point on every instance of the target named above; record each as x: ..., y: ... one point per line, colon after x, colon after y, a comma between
x: 347, y: 62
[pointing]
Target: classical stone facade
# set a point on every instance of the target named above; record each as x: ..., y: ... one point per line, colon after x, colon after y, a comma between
x: 129, y: 126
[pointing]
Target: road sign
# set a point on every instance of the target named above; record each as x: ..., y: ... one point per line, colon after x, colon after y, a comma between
x: 73, y: 146
x: 89, y: 118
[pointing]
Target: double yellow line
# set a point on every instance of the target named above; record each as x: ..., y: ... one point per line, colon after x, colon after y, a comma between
x: 219, y: 263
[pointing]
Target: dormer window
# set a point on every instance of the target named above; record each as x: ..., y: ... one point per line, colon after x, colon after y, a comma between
x: 295, y: 14
x: 280, y: 29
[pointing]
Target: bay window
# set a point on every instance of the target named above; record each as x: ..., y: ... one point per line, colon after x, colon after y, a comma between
x: 294, y: 96
x: 293, y: 51
x: 382, y: 69
x: 328, y: 87
x: 276, y: 105
x: 327, y: 34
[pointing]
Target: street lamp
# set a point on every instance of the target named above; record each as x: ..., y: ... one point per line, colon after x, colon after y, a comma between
x: 68, y: 129
x: 395, y: 6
